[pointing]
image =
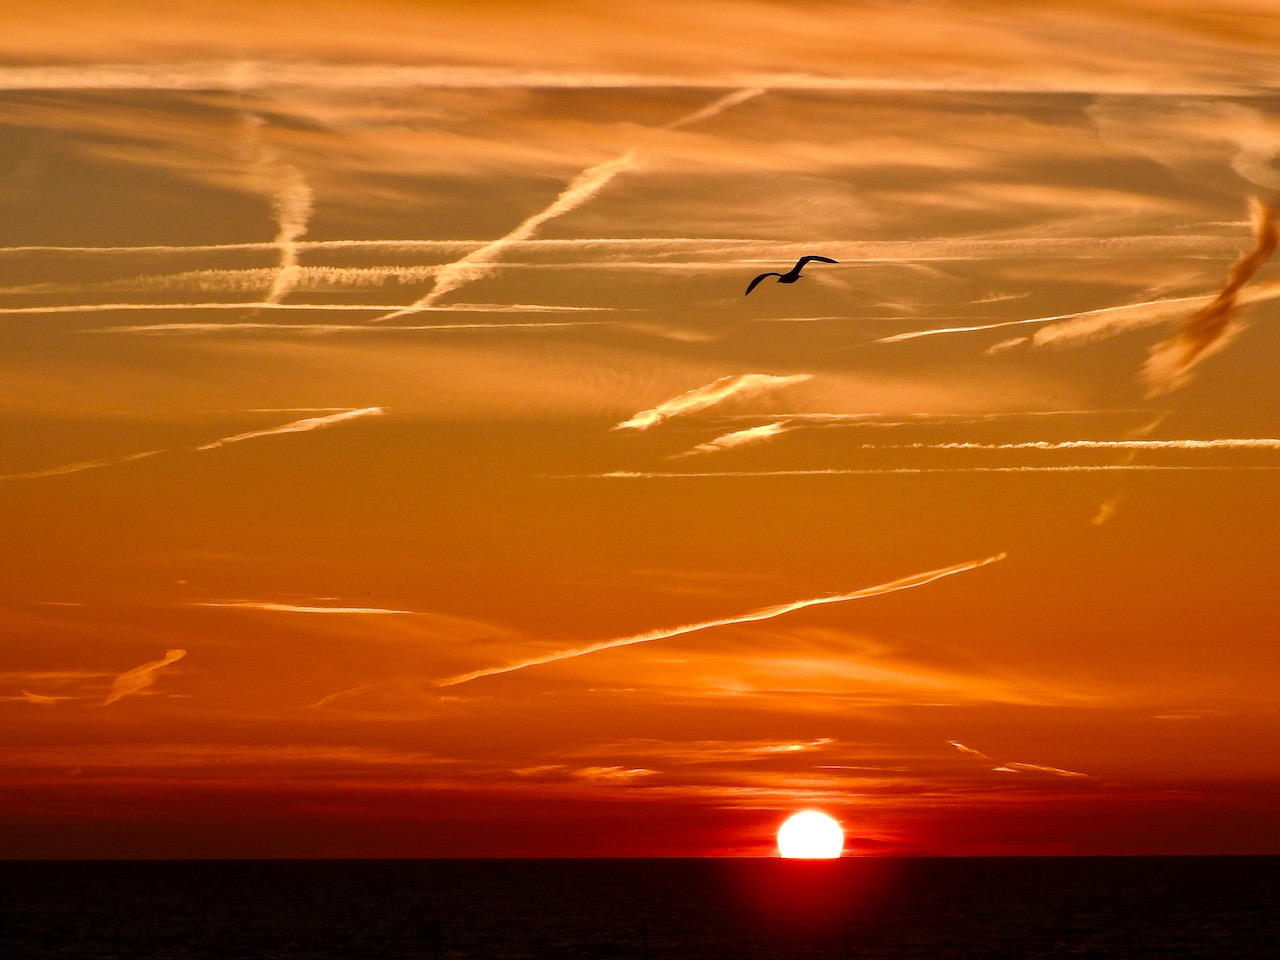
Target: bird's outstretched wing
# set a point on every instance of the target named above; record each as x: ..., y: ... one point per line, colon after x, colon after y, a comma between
x: 752, y: 285
x: 804, y: 260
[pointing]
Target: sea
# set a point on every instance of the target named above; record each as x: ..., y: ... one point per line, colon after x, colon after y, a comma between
x: 931, y: 909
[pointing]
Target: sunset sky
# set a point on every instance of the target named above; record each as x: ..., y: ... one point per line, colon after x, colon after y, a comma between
x: 393, y: 466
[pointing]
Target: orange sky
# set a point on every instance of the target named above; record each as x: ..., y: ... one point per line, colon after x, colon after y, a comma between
x: 392, y: 465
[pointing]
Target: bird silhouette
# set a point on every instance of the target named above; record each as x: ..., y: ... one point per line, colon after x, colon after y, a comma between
x: 791, y: 276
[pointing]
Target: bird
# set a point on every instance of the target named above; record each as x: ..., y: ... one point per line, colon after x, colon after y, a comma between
x: 791, y: 276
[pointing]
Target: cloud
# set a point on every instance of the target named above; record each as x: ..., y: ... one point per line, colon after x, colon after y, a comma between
x: 139, y: 678
x: 340, y: 695
x: 969, y: 750
x: 709, y: 395
x: 298, y: 426
x: 1209, y: 330
x: 737, y: 438
x: 43, y: 700
x: 767, y: 613
x: 1106, y: 511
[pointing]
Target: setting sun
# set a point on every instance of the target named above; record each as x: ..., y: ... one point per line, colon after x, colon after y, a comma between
x: 810, y: 836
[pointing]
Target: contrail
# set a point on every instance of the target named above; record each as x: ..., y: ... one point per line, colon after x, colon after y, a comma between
x: 477, y: 264
x: 702, y: 397
x: 330, y: 329
x: 1205, y: 332
x: 293, y: 608
x: 298, y: 426
x: 139, y: 678
x: 77, y: 467
x: 715, y: 250
x: 767, y: 613
x: 1238, y: 443
x: 737, y: 438
x: 1010, y: 767
x: 239, y: 75
x: 716, y: 107
x: 885, y: 471
x: 1078, y: 325
x: 263, y: 305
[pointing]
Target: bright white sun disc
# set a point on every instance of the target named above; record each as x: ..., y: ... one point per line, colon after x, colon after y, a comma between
x: 810, y: 836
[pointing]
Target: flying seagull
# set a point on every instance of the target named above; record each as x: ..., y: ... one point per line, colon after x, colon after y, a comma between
x: 791, y: 276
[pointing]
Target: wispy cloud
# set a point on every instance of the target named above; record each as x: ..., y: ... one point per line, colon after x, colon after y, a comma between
x: 44, y: 700
x: 340, y: 695
x: 1106, y: 511
x: 139, y: 678
x: 708, y: 396
x: 298, y: 426
x: 292, y: 201
x: 1209, y: 330
x: 969, y: 750
x: 767, y: 613
x: 737, y: 438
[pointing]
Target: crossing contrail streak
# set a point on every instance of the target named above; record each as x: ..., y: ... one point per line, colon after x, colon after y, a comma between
x: 478, y: 263
x: 767, y: 613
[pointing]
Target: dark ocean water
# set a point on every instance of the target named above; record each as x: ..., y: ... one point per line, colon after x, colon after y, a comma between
x: 1174, y: 907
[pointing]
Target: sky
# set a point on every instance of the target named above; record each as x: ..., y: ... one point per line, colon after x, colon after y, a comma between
x: 393, y: 466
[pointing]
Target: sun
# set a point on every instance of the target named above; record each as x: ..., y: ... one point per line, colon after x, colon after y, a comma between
x: 810, y: 835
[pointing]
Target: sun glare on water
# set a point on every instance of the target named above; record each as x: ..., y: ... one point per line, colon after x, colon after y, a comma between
x: 810, y: 836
